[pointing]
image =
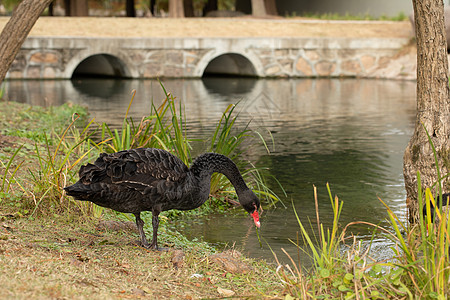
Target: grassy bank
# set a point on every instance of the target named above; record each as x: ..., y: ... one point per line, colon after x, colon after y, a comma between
x: 51, y: 258
x: 54, y: 247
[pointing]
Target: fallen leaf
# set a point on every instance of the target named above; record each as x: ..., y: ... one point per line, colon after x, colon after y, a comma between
x: 225, y: 292
x: 138, y: 292
x: 178, y: 259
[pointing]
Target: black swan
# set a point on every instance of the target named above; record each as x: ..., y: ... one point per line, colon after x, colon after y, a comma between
x: 445, y: 202
x: 148, y: 179
x: 438, y: 202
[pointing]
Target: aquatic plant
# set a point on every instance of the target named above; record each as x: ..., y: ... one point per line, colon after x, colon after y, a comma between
x: 164, y: 127
x: 227, y: 140
x: 419, y: 268
x: 335, y: 274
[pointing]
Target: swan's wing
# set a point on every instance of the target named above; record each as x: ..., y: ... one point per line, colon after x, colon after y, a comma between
x: 146, y: 170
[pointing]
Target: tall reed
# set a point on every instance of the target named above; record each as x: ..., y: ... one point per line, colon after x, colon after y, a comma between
x: 57, y: 165
x: 227, y: 139
x: 59, y: 156
x: 5, y: 182
x: 164, y: 127
x: 418, y: 269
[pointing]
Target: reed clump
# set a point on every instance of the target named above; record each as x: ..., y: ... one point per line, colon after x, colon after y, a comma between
x: 57, y: 155
x: 343, y: 268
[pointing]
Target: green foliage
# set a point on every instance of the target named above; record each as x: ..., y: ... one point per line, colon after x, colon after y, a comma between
x: 336, y: 274
x: 419, y: 269
x: 349, y: 17
x: 58, y: 156
x: 227, y: 140
x: 38, y: 123
x: 422, y: 266
x: 5, y: 182
x: 164, y: 128
x: 423, y: 253
x: 55, y: 167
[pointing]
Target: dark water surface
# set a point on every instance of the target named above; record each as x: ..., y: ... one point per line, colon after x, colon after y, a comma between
x: 350, y: 133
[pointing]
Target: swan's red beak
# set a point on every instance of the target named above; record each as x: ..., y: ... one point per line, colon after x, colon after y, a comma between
x: 255, y: 216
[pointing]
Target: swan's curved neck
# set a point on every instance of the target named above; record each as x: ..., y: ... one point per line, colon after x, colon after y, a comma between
x: 207, y: 164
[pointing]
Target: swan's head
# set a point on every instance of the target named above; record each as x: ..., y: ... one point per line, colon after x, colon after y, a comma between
x: 251, y: 204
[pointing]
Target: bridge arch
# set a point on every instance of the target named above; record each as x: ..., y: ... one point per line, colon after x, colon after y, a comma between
x: 229, y: 63
x: 99, y: 64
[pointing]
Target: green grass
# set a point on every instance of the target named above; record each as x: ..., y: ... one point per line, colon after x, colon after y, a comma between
x: 69, y: 256
x: 37, y: 123
x: 50, y: 258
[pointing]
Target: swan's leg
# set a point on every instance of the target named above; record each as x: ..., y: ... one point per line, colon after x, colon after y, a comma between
x: 155, y: 223
x: 140, y: 226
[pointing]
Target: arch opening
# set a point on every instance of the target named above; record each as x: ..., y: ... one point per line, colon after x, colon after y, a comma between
x: 230, y: 64
x: 101, y: 66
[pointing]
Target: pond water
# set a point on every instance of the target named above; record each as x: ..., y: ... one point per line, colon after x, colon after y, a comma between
x: 350, y: 133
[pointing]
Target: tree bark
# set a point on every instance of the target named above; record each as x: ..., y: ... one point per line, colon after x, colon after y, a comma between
x: 131, y: 11
x: 210, y: 5
x: 152, y: 7
x: 67, y: 7
x: 176, y: 9
x: 433, y: 106
x: 258, y: 8
x: 79, y: 8
x: 51, y: 8
x: 16, y: 31
x: 271, y: 7
x: 188, y: 7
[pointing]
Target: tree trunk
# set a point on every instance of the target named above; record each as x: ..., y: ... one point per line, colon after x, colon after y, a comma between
x: 67, y: 7
x: 258, y: 8
x: 176, y: 9
x: 79, y: 8
x: 244, y: 6
x: 188, y: 7
x: 211, y: 5
x: 51, y: 8
x: 16, y: 31
x: 271, y: 7
x: 131, y: 11
x: 153, y: 7
x: 433, y: 107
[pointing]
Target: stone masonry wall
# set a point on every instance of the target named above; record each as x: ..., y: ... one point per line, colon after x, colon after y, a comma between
x: 41, y: 58
x: 331, y: 63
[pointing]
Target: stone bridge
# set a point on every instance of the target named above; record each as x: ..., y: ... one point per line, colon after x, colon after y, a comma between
x: 51, y: 57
